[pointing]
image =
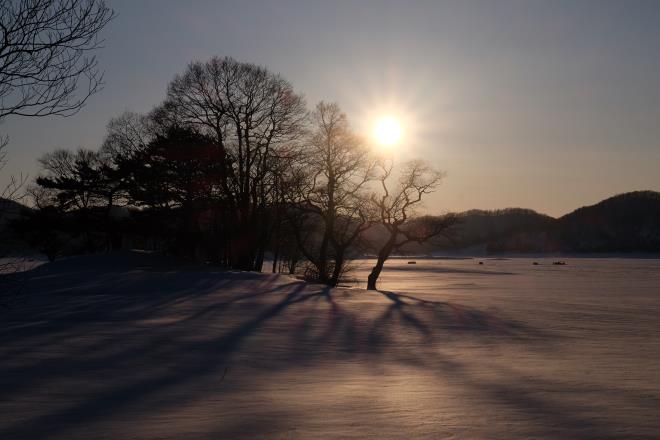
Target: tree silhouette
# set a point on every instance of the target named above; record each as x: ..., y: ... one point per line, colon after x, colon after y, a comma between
x: 173, y: 175
x: 47, y: 46
x: 330, y: 188
x: 396, y: 210
x: 250, y: 113
x: 82, y: 184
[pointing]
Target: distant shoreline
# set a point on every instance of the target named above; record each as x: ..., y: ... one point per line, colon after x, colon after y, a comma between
x: 604, y: 255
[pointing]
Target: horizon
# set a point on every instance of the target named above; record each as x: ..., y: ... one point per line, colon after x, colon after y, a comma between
x: 469, y: 210
x: 548, y: 107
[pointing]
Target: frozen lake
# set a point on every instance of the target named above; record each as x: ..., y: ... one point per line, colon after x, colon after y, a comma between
x: 133, y: 346
x: 429, y: 276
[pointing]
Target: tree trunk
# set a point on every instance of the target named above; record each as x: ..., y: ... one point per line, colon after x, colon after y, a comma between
x: 293, y: 262
x: 109, y: 230
x: 322, y: 265
x: 276, y: 257
x: 259, y: 258
x: 383, y: 255
x: 276, y: 243
x: 336, y: 272
x: 329, y: 231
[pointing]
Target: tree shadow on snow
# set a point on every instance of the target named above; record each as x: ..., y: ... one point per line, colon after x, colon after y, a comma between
x: 118, y: 340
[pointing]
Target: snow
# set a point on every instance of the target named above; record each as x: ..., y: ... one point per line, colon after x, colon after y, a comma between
x: 143, y: 347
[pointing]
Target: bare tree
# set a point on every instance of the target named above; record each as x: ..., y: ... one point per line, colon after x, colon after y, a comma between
x: 330, y: 186
x: 47, y: 47
x: 127, y: 134
x: 396, y: 210
x: 250, y: 113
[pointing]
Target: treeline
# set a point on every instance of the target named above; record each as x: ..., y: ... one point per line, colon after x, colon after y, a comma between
x: 506, y: 230
x: 229, y: 166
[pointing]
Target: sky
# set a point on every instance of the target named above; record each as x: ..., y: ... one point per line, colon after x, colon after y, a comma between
x: 548, y: 105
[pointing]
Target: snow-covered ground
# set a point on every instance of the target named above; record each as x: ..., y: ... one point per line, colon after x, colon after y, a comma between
x: 137, y: 346
x: 20, y: 264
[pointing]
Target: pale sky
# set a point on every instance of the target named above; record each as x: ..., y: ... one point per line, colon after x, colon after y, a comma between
x: 548, y: 105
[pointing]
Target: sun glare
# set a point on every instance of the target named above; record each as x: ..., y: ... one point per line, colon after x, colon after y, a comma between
x: 387, y: 131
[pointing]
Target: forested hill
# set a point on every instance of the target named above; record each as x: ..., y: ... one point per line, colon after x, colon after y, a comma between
x: 10, y: 210
x: 503, y: 229
x: 627, y: 222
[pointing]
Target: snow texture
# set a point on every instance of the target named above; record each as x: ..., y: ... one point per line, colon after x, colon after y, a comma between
x: 136, y: 346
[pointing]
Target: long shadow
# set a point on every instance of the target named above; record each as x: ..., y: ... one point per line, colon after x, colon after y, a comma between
x: 69, y: 317
x: 107, y: 330
x: 216, y: 353
x: 457, y: 317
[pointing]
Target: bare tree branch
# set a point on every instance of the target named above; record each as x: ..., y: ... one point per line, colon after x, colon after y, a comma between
x: 47, y: 55
x: 329, y: 183
x: 397, y: 210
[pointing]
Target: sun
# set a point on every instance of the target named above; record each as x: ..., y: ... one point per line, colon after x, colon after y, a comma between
x: 387, y: 131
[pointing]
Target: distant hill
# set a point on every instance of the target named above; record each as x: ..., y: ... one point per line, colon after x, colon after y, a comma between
x: 627, y: 222
x: 504, y: 229
x: 9, y: 210
x: 9, y: 242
